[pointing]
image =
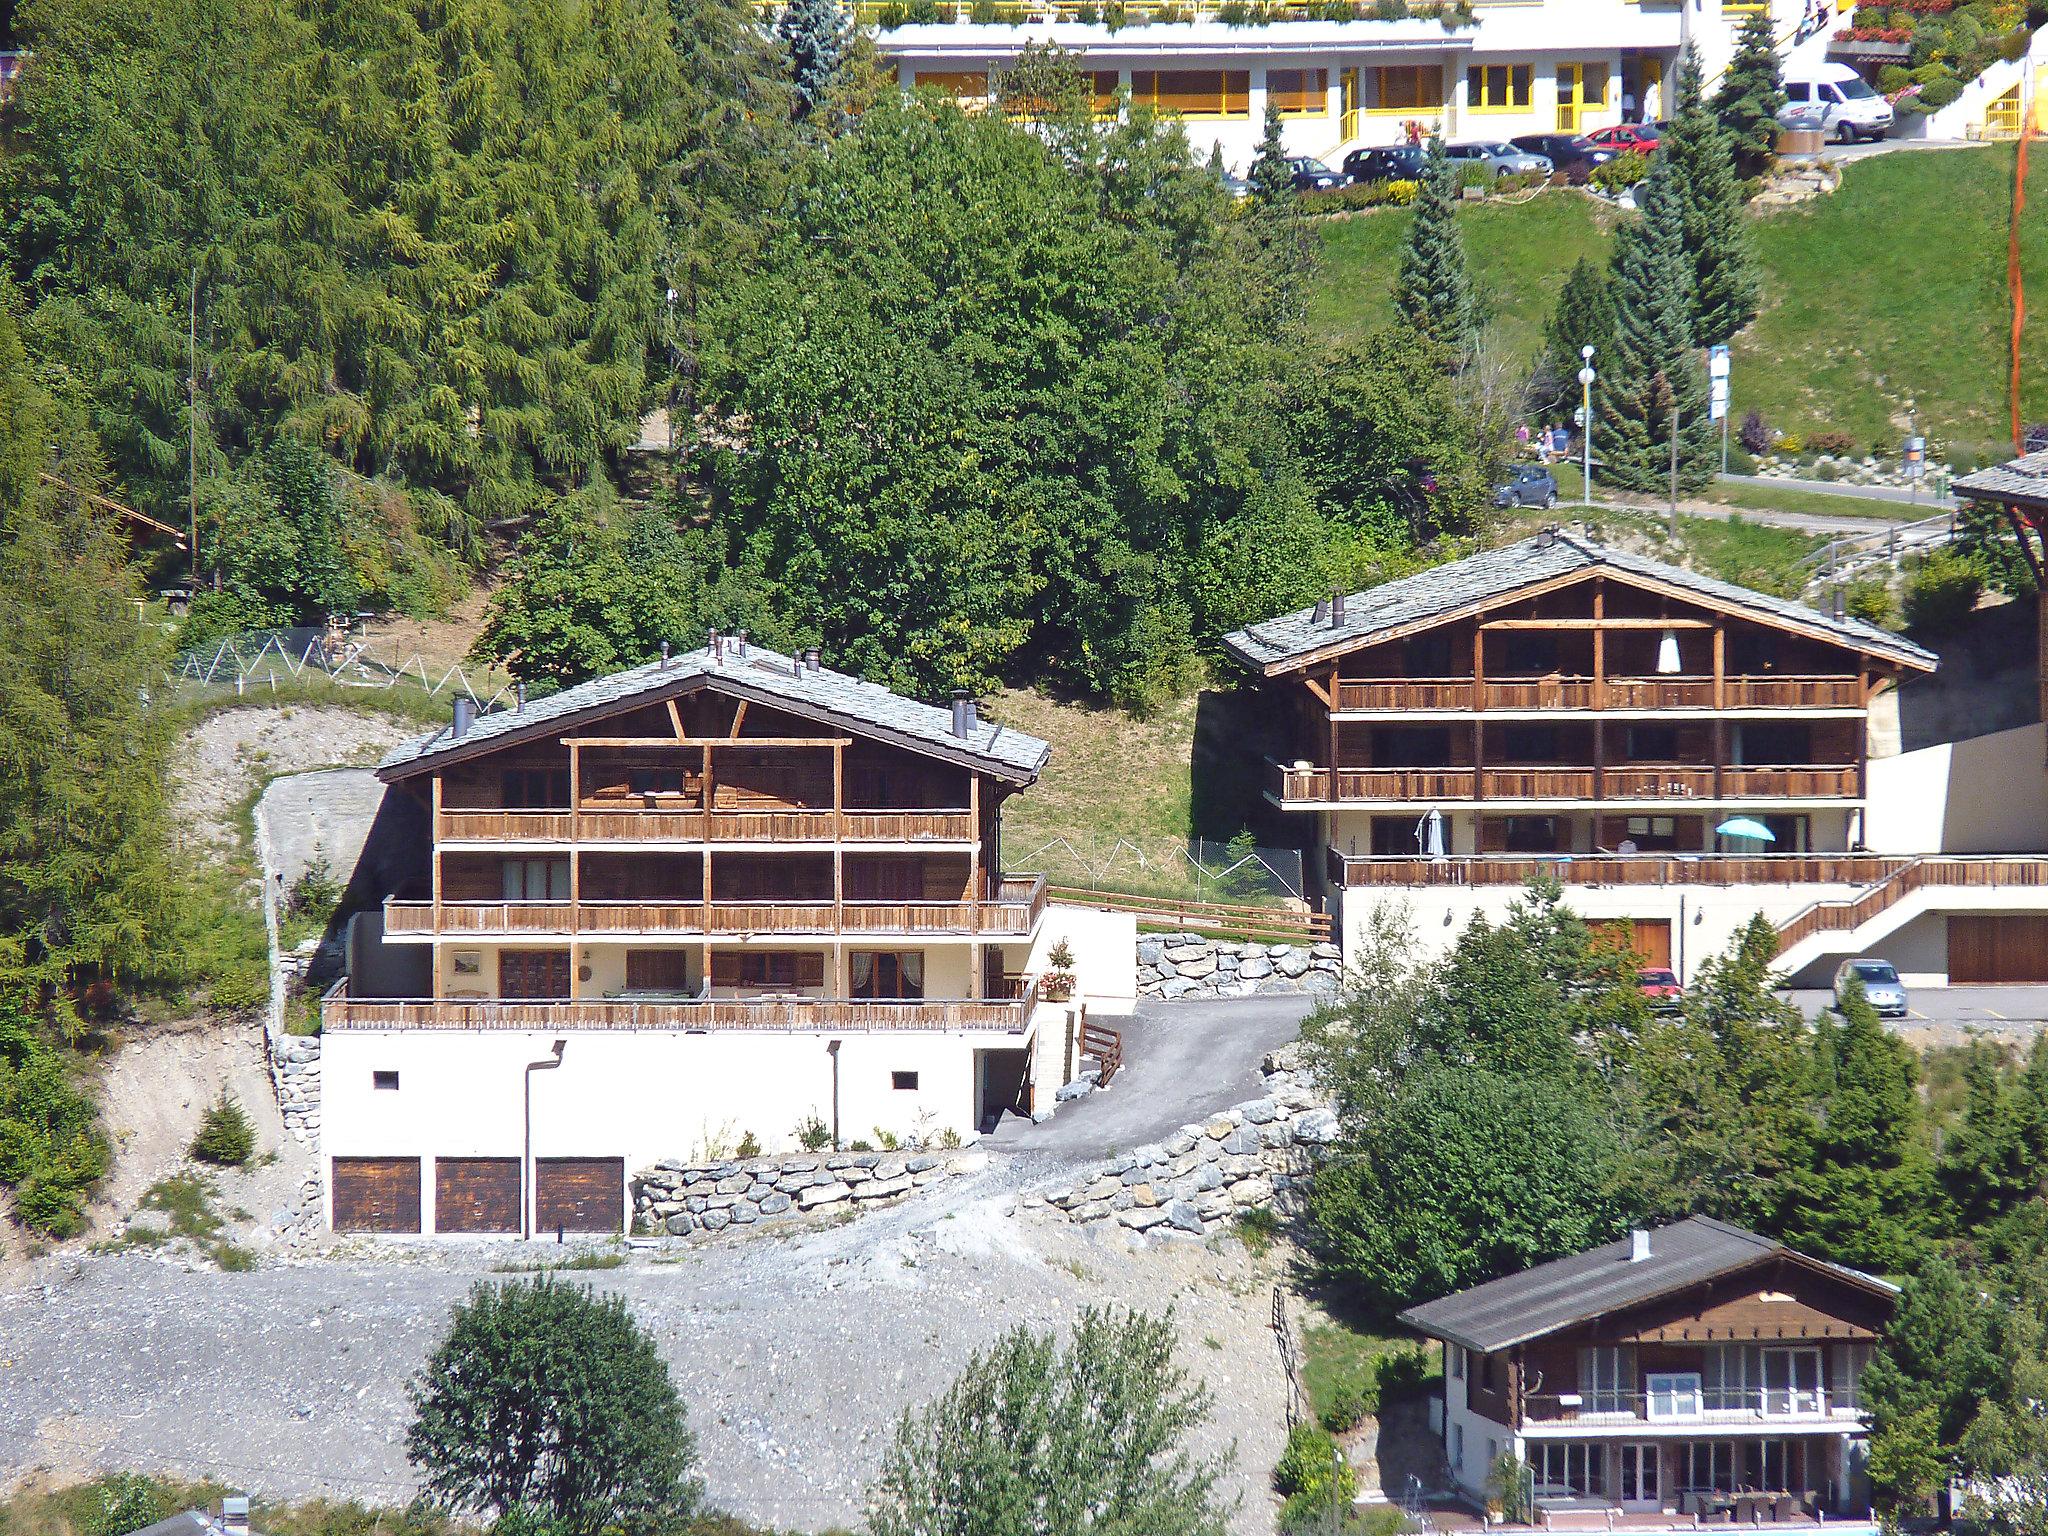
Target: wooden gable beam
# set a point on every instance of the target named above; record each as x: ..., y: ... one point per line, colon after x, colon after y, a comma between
x: 675, y: 719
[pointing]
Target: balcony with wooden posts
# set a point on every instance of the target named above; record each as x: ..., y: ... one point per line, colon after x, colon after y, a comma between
x: 1012, y: 912
x: 1007, y: 1015
x: 1297, y: 788
x: 661, y: 821
x: 1564, y: 693
x: 1614, y: 869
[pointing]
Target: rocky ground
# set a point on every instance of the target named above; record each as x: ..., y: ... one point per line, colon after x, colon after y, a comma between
x: 794, y: 1354
x: 224, y: 757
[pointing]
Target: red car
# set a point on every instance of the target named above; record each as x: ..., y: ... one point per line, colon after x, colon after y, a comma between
x: 1660, y: 988
x: 1640, y: 137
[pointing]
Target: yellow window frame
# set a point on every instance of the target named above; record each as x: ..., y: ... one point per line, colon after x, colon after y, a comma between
x: 1500, y: 87
x: 1314, y: 87
x: 1432, y: 74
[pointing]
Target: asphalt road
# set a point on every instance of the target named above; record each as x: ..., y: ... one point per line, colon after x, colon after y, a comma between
x: 1183, y: 1060
x: 1990, y: 1010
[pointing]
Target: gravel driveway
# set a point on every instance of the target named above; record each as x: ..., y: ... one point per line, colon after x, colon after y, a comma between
x: 794, y: 1354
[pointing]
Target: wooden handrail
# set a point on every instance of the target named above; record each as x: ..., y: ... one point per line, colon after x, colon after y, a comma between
x: 1579, y: 691
x: 341, y: 1012
x: 1615, y: 869
x: 1235, y: 917
x: 603, y: 821
x: 1622, y: 781
x: 1915, y: 874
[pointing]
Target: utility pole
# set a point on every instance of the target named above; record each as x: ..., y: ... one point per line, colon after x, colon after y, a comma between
x: 1674, y: 465
x: 192, y: 429
x: 1586, y: 425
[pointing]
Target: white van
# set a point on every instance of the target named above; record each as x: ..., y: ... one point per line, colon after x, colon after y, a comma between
x: 1843, y: 101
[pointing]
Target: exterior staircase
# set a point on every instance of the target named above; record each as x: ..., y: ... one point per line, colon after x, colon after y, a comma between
x: 1848, y: 925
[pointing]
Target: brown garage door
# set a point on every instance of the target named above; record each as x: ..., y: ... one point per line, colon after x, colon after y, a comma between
x: 1997, y: 949
x: 476, y: 1194
x: 579, y: 1194
x: 1651, y: 936
x: 376, y: 1194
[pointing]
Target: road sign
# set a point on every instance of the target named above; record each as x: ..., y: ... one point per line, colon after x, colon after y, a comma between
x: 1915, y: 456
x: 1717, y: 363
x: 1717, y: 402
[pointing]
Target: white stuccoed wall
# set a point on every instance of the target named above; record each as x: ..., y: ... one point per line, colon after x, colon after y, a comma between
x: 1105, y: 946
x: 1986, y: 794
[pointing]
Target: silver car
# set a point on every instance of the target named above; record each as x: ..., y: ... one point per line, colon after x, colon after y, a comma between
x: 1882, y: 988
x: 1504, y: 158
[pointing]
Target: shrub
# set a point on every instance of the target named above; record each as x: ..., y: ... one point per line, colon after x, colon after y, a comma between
x: 1622, y: 172
x: 127, y: 1502
x: 1831, y: 442
x: 748, y: 1147
x: 1942, y: 588
x: 1350, y: 1407
x: 1894, y: 78
x: 1473, y: 174
x: 1402, y: 1372
x: 1755, y: 434
x: 812, y: 1134
x: 226, y: 1138
x: 890, y: 17
x: 51, y: 1150
x: 1310, y: 1464
x: 1937, y: 94
x: 1790, y: 442
x: 1870, y: 599
x: 239, y: 989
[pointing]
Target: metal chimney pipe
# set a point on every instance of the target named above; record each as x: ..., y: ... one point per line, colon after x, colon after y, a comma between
x: 465, y: 716
x: 519, y: 697
x: 1337, y: 609
x: 812, y: 659
x: 234, y: 1514
x: 716, y: 642
x: 664, y: 655
x: 963, y: 714
x: 1322, y: 615
x: 739, y: 643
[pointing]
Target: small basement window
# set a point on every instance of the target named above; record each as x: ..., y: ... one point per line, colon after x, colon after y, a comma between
x: 903, y: 1081
x: 384, y: 1080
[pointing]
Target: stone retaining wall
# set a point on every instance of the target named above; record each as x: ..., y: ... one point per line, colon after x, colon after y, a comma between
x: 1192, y: 965
x: 1255, y: 1155
x: 681, y: 1198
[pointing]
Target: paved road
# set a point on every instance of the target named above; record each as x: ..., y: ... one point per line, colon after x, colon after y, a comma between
x: 1991, y: 1010
x: 1183, y: 1061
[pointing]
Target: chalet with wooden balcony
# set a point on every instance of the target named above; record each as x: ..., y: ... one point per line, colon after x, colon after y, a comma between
x: 731, y: 893
x: 1692, y: 1370
x: 1560, y: 704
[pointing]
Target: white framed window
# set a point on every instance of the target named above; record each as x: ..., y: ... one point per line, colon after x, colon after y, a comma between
x: 1565, y: 1469
x: 1673, y: 1395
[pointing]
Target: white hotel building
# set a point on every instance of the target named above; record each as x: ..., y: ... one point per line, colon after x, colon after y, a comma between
x: 1515, y: 67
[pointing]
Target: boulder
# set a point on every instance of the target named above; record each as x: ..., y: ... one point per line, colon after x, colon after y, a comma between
x: 680, y: 1224
x: 1149, y: 951
x: 967, y: 1162
x: 923, y: 1162
x: 1261, y: 1111
x: 1326, y: 951
x: 881, y: 1189
x: 1293, y: 963
x: 1180, y: 986
x: 744, y: 1215
x: 1196, y: 969
x: 1317, y: 1128
x: 774, y: 1204
x: 734, y: 1184
x: 1181, y: 1142
x: 1182, y: 1214
x: 1079, y: 1088
x: 1198, y: 950
x: 1139, y: 1220
x: 1253, y: 969
x: 824, y: 1194
x: 892, y: 1168
x: 1252, y: 1191
x: 715, y: 1221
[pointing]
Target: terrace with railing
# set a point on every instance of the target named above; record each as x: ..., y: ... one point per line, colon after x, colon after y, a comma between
x: 1561, y: 691
x: 1013, y: 912
x: 1851, y: 869
x: 1691, y: 1405
x: 340, y: 1011
x: 608, y: 822
x: 1634, y: 782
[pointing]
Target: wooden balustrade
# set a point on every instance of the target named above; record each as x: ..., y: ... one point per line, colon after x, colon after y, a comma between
x: 1404, y: 783
x: 1825, y: 781
x: 1618, y: 869
x: 1912, y: 875
x: 1014, y: 912
x: 604, y: 822
x: 1580, y: 692
x: 1661, y: 781
x: 1623, y: 782
x: 341, y: 1012
x: 1538, y: 783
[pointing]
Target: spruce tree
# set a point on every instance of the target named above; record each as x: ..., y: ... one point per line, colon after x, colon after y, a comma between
x: 1752, y: 90
x: 1271, y: 178
x: 1715, y: 237
x: 1584, y: 317
x: 816, y: 34
x: 1653, y: 368
x: 1434, y: 290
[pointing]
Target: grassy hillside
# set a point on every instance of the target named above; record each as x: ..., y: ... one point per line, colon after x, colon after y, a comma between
x: 1891, y: 289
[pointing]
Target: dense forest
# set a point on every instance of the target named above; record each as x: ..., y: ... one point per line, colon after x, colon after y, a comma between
x: 377, y: 297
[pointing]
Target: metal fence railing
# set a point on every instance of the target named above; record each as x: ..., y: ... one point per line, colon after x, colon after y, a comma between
x: 268, y: 657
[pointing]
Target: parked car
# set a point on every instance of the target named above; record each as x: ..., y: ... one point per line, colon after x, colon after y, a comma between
x: 1235, y: 185
x: 1850, y: 108
x: 1640, y: 137
x: 1310, y: 174
x: 1881, y: 985
x: 1660, y: 988
x: 1503, y: 159
x: 1389, y: 162
x: 1565, y: 150
x: 1531, y: 485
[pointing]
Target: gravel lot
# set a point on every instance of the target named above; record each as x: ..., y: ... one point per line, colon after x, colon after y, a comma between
x: 794, y: 1355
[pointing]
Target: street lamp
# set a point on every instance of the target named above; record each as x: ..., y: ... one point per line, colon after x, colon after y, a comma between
x: 528, y: 1203
x: 1586, y: 377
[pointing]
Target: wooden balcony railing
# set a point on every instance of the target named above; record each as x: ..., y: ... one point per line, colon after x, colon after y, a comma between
x: 1912, y: 875
x: 1759, y: 1405
x: 1570, y: 691
x: 1617, y: 869
x: 1631, y: 782
x: 612, y: 823
x: 338, y: 1011
x: 1015, y: 912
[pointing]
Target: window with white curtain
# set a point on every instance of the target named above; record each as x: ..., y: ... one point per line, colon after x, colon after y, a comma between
x: 1607, y: 1378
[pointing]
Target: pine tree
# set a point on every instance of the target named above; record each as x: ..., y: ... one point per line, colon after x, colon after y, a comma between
x: 1271, y: 178
x: 816, y: 34
x: 1584, y: 317
x: 1751, y: 93
x: 1434, y: 290
x: 1653, y: 368
x: 1715, y: 236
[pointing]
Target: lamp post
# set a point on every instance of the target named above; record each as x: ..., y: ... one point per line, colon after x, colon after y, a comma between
x: 528, y: 1201
x: 1586, y: 377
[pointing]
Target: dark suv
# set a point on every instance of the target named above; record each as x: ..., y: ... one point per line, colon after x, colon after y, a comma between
x: 1390, y: 162
x: 1565, y: 150
x: 1531, y: 485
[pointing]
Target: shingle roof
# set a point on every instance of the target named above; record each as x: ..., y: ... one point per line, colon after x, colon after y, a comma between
x: 1583, y: 1286
x: 2024, y: 479
x: 761, y: 674
x: 1276, y: 645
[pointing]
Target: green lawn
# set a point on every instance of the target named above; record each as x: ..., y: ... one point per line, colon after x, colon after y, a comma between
x: 1508, y: 245
x: 1773, y: 498
x: 1892, y: 288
